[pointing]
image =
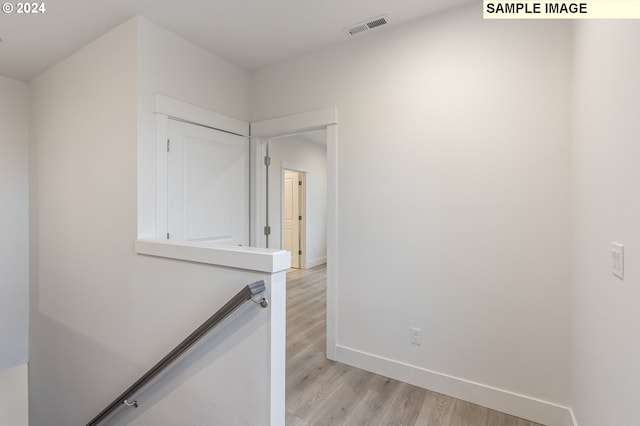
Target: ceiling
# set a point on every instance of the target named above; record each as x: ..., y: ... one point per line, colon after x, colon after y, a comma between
x: 249, y: 33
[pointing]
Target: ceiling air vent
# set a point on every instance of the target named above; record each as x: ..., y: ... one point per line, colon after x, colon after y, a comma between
x: 368, y: 25
x: 358, y: 29
x: 377, y: 22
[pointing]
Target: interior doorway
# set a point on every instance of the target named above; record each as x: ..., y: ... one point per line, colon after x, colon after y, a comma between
x: 297, y: 204
x: 296, y: 197
x: 263, y: 132
x: 293, y: 228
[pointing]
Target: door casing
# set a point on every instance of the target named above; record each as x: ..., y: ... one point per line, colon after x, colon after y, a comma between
x: 261, y: 132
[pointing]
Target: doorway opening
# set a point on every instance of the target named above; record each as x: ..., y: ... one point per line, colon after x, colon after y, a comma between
x: 293, y: 216
x: 296, y: 195
x: 297, y: 200
x: 262, y: 235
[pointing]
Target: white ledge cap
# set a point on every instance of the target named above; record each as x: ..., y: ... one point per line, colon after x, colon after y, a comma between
x: 251, y: 258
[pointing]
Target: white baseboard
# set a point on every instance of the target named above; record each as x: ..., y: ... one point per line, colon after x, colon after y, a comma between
x: 522, y: 406
x: 573, y: 418
x: 316, y: 262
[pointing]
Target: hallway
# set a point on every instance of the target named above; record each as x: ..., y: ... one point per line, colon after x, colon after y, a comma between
x: 323, y: 392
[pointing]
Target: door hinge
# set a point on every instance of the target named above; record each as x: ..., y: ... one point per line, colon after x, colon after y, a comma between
x: 267, y: 161
x: 167, y: 235
x: 168, y: 145
x: 299, y: 217
x: 300, y: 252
x: 267, y: 230
x: 299, y: 183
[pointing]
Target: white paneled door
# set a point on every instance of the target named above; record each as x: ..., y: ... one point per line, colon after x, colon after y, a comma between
x: 208, y: 184
x: 291, y: 216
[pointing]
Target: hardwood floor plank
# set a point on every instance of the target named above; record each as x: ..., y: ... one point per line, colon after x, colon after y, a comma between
x: 405, y: 406
x: 335, y: 410
x: 291, y: 420
x: 376, y: 402
x: 307, y: 369
x: 468, y: 414
x: 366, y: 410
x: 359, y: 380
x: 436, y: 410
x: 317, y: 396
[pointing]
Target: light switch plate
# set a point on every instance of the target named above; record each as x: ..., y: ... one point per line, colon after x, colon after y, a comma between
x: 617, y: 260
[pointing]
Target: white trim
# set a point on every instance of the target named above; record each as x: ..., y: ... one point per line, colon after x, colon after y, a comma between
x: 332, y: 241
x: 251, y: 258
x: 288, y: 165
x: 522, y: 406
x: 162, y: 135
x: 256, y: 186
x: 303, y: 202
x: 295, y: 123
x: 574, y: 421
x: 315, y: 262
x: 197, y: 115
x: 277, y: 355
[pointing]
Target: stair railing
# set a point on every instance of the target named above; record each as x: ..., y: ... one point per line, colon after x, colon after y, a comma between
x: 126, y: 398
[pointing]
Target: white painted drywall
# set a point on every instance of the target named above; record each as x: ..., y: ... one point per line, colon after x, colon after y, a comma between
x: 453, y: 193
x: 606, y: 146
x: 172, y: 66
x: 14, y: 222
x: 14, y: 398
x: 102, y: 315
x: 304, y: 155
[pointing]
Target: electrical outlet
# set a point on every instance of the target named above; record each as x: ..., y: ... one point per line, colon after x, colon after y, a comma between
x: 617, y: 260
x: 415, y: 336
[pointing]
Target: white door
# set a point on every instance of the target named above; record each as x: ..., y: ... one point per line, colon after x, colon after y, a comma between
x: 291, y: 216
x: 208, y: 185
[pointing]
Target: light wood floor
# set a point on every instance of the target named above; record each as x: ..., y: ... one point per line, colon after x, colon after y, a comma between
x: 323, y: 392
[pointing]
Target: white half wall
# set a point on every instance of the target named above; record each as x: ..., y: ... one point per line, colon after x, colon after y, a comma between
x: 300, y: 154
x: 14, y: 222
x: 102, y: 315
x: 454, y: 194
x: 606, y: 318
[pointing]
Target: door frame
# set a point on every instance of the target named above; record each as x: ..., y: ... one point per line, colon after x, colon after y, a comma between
x: 261, y: 132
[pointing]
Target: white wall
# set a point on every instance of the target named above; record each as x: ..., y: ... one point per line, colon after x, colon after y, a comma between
x: 14, y: 222
x: 453, y: 197
x: 301, y: 154
x: 606, y: 317
x: 172, y: 66
x: 14, y: 401
x: 100, y: 314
